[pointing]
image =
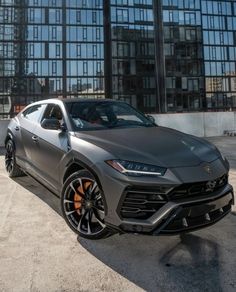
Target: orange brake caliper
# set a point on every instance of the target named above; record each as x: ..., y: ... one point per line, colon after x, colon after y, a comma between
x: 77, y: 198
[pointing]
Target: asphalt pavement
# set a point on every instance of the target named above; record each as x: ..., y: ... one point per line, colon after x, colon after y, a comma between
x: 38, y: 252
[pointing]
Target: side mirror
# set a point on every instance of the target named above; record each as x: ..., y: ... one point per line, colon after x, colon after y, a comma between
x: 63, y: 127
x: 151, y: 118
x: 51, y: 124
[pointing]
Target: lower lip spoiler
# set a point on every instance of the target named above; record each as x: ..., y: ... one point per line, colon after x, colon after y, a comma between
x: 168, y: 220
x: 168, y: 213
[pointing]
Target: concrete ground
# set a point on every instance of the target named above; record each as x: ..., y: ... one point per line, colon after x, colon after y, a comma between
x: 38, y: 252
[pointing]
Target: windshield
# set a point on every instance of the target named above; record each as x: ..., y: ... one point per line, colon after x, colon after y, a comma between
x: 105, y: 115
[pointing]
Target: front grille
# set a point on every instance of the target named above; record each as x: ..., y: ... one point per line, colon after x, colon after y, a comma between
x: 199, y: 189
x: 141, y: 204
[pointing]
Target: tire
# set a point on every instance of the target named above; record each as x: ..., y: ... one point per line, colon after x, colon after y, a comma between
x: 12, y: 168
x: 82, y: 206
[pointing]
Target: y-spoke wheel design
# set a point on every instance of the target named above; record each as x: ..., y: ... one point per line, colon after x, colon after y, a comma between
x: 10, y: 161
x: 83, y: 206
x: 9, y: 157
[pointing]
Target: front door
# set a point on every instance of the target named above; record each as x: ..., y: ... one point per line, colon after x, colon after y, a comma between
x: 49, y: 149
x: 24, y: 135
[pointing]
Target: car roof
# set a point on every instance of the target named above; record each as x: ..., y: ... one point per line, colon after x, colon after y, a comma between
x: 73, y: 100
x: 60, y: 101
x: 69, y: 100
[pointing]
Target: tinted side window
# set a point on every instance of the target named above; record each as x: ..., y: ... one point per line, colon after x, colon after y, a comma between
x: 33, y: 113
x: 53, y: 111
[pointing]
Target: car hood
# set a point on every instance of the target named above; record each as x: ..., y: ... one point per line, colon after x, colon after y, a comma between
x: 156, y: 145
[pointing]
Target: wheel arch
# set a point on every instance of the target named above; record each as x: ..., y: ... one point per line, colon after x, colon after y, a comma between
x: 73, y: 167
x: 77, y: 165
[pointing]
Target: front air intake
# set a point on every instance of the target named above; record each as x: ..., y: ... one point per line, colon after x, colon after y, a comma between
x: 141, y: 203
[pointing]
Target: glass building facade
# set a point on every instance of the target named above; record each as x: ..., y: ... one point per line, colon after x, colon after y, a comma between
x: 158, y: 55
x: 133, y: 53
x: 184, y: 61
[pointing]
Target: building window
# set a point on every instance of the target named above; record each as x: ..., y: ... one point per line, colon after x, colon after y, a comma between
x: 122, y: 15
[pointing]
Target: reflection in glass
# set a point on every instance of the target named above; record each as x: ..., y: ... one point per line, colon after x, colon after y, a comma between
x: 133, y: 53
x: 55, y: 48
x: 48, y: 49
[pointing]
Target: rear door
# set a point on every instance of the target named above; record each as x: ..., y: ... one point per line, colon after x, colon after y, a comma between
x: 50, y: 147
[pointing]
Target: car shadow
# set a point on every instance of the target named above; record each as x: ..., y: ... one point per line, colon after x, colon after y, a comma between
x: 41, y: 192
x: 178, y: 263
x: 161, y: 263
x: 2, y: 151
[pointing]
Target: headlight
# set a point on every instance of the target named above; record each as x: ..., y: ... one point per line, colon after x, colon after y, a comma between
x: 136, y: 168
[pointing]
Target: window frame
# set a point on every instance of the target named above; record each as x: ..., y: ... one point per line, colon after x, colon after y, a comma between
x: 41, y: 107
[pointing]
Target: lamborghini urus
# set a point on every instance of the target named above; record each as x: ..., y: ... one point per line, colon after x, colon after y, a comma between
x: 115, y: 170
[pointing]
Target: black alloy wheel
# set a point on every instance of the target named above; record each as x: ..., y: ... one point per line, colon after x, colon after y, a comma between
x: 12, y: 168
x: 83, y: 206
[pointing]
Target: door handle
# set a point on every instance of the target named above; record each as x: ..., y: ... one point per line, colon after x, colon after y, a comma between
x: 35, y: 139
x: 17, y: 128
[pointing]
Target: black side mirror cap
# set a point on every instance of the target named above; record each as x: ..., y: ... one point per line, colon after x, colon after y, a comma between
x: 151, y: 119
x: 51, y: 124
x: 63, y: 127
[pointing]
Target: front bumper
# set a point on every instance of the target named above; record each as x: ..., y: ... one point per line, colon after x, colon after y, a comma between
x: 180, y: 212
x: 177, y: 217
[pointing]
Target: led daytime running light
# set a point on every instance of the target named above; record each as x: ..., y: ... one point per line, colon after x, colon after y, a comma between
x: 136, y: 168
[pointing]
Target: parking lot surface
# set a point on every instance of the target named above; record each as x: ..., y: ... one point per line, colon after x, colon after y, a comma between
x: 38, y: 252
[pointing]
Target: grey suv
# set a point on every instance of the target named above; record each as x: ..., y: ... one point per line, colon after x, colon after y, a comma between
x: 116, y: 170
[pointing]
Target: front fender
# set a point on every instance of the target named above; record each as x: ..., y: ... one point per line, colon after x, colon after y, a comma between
x: 84, y: 154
